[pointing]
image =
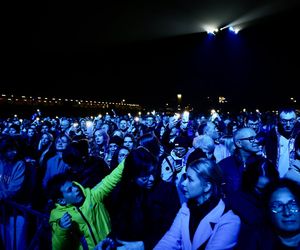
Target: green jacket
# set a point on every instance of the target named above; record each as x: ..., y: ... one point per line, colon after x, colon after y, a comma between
x: 91, y: 222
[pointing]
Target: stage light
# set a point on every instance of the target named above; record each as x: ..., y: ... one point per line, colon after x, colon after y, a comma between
x: 235, y: 30
x: 211, y: 30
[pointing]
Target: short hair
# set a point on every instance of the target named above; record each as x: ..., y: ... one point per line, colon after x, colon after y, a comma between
x: 204, y: 141
x: 53, y: 188
x: 210, y: 171
x: 241, y: 132
x: 252, y: 117
x: 194, y: 155
x: 286, y: 110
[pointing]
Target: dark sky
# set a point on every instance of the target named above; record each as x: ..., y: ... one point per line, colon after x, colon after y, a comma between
x: 148, y: 51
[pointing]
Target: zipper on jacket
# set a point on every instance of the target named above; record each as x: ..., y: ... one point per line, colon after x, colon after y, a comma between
x: 88, y: 224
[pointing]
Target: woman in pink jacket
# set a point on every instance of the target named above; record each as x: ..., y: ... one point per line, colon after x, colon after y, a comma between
x: 203, y: 222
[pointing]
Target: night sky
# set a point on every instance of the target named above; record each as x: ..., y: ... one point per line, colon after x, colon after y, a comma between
x: 147, y: 52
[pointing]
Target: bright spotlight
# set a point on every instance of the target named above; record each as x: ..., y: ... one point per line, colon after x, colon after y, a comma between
x: 211, y: 30
x: 235, y: 30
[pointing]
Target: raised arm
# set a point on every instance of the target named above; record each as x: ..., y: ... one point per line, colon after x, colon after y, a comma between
x: 108, y: 183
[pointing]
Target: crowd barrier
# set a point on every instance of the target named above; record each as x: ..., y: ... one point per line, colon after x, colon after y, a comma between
x: 23, y: 228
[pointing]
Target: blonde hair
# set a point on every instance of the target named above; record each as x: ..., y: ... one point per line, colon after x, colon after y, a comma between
x: 209, y: 170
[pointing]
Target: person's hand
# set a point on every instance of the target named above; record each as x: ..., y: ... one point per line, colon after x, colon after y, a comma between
x: 106, y: 244
x: 66, y: 221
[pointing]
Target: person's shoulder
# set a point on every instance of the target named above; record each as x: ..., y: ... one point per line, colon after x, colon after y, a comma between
x: 231, y: 216
x: 226, y: 161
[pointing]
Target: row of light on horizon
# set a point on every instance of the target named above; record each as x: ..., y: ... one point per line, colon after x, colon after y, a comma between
x: 213, y: 30
x: 59, y: 100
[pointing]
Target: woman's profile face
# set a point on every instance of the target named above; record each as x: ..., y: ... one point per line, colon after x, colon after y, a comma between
x: 193, y: 186
x: 284, y: 211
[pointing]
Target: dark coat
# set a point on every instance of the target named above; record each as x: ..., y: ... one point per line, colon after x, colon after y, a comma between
x: 143, y: 215
x: 233, y: 169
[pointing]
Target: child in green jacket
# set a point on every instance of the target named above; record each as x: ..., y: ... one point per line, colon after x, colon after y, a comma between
x: 80, y: 219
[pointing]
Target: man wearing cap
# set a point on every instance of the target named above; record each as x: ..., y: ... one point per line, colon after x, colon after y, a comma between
x: 173, y: 166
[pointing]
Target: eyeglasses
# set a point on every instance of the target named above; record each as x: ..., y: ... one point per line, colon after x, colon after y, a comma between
x: 278, y: 206
x: 286, y: 121
x: 251, y: 139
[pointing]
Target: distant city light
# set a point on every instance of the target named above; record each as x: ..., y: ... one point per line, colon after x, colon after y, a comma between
x: 222, y: 99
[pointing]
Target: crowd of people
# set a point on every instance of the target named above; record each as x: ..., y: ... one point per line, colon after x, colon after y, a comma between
x: 157, y: 181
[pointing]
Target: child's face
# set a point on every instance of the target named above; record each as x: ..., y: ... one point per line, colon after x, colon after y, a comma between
x: 71, y: 193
